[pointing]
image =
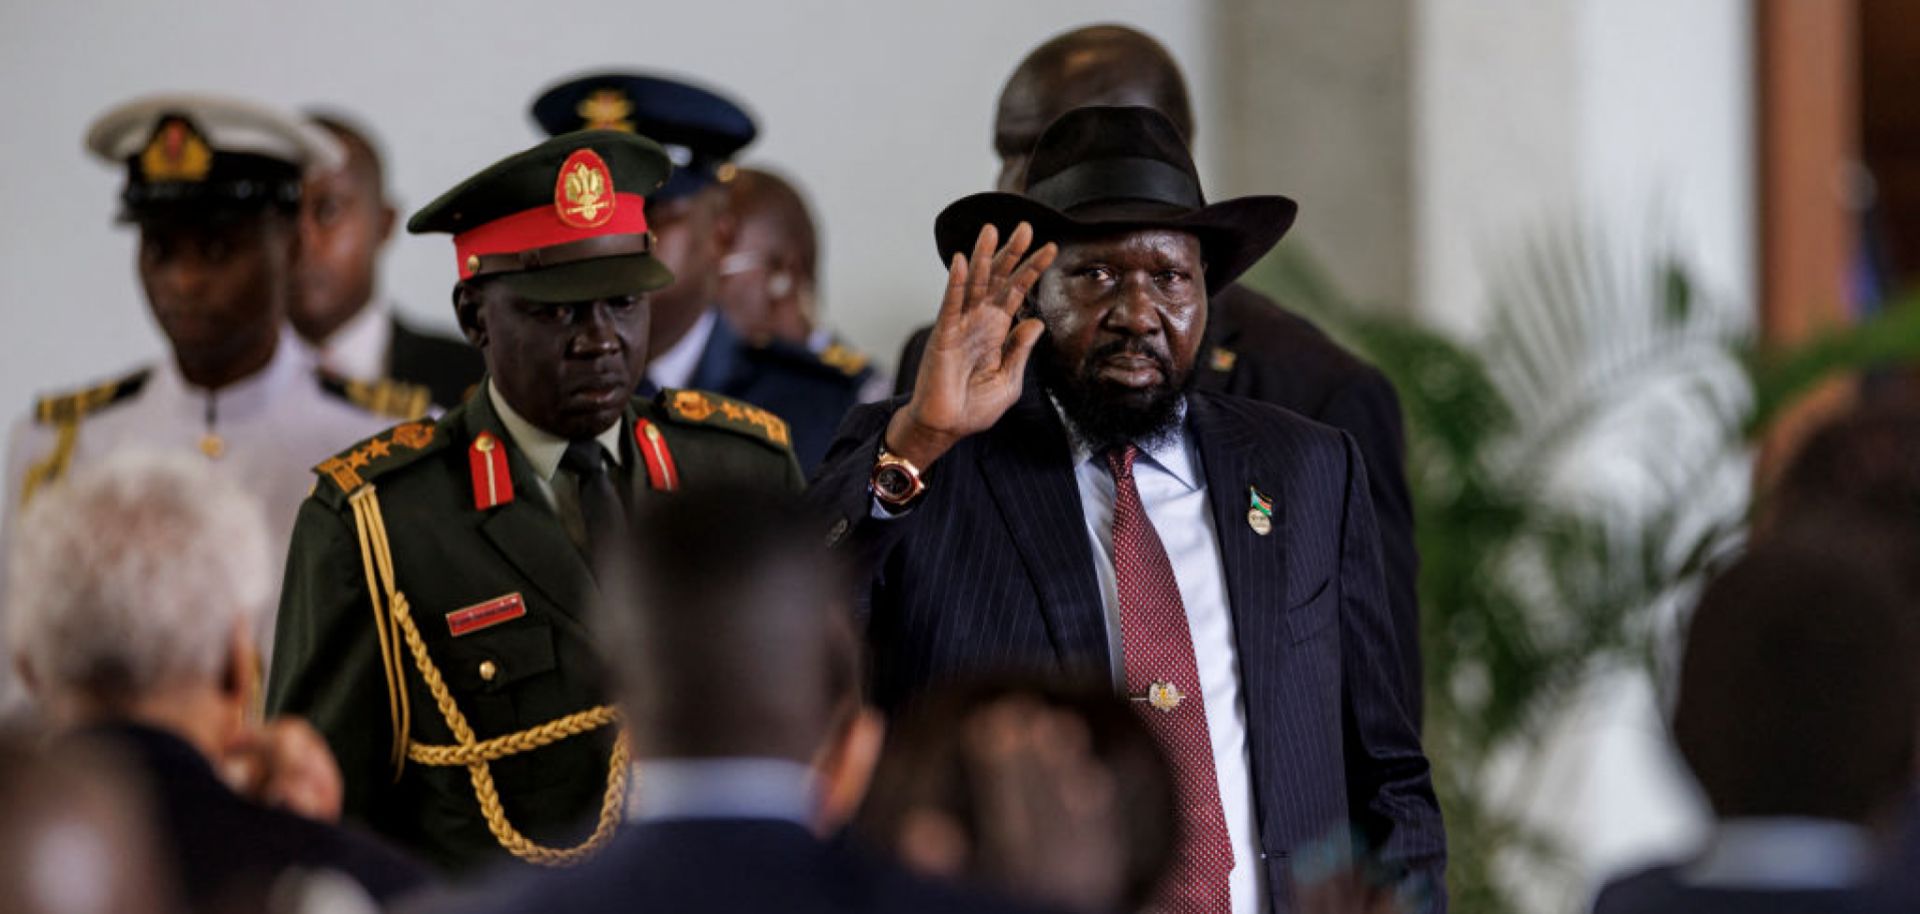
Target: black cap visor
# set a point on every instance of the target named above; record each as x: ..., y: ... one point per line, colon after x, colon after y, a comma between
x: 588, y: 280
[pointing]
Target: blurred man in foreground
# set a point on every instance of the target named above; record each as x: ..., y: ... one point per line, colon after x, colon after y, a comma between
x: 1048, y: 791
x: 769, y: 287
x: 727, y: 642
x: 133, y: 608
x: 346, y: 221
x: 1798, y: 712
x: 1253, y: 347
x: 76, y: 835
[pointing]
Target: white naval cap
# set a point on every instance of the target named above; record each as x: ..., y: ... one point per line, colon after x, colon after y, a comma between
x: 228, y: 124
x: 208, y: 156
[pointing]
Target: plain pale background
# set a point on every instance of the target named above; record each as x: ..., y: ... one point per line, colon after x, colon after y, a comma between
x: 881, y: 111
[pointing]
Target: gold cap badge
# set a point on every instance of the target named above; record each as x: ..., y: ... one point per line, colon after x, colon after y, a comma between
x: 606, y: 109
x: 176, y: 152
x: 583, y: 194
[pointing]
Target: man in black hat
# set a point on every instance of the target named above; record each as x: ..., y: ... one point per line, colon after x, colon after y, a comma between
x: 1214, y: 556
x: 1253, y: 346
x: 438, y: 586
x: 692, y: 344
x: 346, y: 220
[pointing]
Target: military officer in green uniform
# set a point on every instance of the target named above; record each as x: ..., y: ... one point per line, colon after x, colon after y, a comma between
x: 432, y: 623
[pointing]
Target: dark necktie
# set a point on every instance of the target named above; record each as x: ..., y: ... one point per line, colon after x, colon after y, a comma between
x: 600, y: 510
x: 1164, y: 682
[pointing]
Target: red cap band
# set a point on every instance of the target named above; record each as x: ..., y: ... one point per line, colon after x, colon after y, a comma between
x: 541, y: 227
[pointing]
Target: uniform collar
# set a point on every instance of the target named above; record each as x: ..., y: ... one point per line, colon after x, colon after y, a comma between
x: 675, y: 367
x: 1784, y: 853
x: 724, y: 788
x: 246, y: 398
x: 819, y: 338
x: 1173, y: 453
x: 358, y: 348
x: 542, y: 448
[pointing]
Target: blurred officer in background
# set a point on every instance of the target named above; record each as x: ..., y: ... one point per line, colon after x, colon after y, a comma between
x: 769, y: 288
x: 214, y: 186
x: 346, y: 221
x: 692, y: 345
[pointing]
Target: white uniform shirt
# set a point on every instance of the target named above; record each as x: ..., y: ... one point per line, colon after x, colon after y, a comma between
x: 359, y: 348
x: 272, y: 428
x: 675, y: 367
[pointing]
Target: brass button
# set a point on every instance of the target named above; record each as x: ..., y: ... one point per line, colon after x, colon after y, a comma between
x: 488, y: 670
x: 473, y: 263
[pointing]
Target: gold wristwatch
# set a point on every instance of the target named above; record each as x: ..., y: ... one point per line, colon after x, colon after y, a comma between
x: 896, y: 481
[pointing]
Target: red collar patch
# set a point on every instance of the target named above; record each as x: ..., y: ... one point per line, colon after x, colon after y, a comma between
x: 492, y: 481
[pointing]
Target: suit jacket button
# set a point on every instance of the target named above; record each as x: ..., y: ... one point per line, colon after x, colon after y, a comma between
x: 488, y: 670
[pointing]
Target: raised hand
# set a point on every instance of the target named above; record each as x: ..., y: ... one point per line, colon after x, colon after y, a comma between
x: 977, y: 355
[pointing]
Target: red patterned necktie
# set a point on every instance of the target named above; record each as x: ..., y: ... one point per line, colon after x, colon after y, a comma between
x: 1164, y: 682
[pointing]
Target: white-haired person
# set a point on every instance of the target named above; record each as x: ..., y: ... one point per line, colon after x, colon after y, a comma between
x: 131, y: 612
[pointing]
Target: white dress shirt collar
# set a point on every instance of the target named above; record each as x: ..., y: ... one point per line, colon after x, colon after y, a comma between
x: 358, y: 349
x: 723, y: 788
x: 675, y: 367
x: 1172, y: 452
x: 542, y: 448
x: 1795, y: 854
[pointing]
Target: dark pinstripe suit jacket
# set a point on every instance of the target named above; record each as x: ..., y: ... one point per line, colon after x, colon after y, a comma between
x: 993, y: 571
x: 1277, y: 356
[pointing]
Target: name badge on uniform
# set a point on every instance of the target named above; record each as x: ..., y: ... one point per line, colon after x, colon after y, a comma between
x: 486, y: 615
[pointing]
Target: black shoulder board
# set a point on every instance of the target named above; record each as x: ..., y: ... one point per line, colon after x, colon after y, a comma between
x: 385, y: 397
x: 61, y: 409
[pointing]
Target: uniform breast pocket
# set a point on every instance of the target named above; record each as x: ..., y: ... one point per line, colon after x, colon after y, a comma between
x: 1311, y: 616
x: 493, y: 662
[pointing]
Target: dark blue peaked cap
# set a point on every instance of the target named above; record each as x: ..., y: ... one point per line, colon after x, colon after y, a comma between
x: 700, y: 129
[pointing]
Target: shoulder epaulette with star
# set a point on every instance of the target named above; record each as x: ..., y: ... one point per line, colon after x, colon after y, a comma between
x: 356, y: 466
x: 849, y: 360
x: 385, y: 397
x: 801, y: 360
x: 698, y: 407
x: 61, y: 409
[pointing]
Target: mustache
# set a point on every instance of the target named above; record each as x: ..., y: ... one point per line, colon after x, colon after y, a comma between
x: 1133, y: 347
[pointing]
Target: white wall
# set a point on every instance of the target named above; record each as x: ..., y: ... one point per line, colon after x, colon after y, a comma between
x: 881, y: 109
x: 1624, y: 113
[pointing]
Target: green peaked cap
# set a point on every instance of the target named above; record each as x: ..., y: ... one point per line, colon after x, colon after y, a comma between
x: 547, y: 244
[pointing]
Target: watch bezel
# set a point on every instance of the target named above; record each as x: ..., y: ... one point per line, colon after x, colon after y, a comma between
x: 899, y: 469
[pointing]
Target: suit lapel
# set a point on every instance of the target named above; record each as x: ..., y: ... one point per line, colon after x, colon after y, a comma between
x: 525, y: 531
x: 1256, y: 565
x: 1025, y: 464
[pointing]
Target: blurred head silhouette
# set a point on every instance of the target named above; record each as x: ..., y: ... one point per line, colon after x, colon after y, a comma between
x: 727, y: 636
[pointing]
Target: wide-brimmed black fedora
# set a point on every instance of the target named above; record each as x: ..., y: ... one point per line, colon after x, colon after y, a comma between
x: 1105, y: 170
